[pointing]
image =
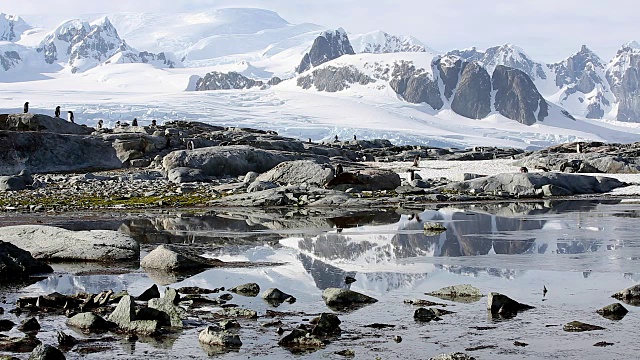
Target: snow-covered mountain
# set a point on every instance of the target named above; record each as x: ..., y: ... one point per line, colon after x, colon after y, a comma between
x: 334, y: 82
x: 380, y: 42
x: 12, y: 27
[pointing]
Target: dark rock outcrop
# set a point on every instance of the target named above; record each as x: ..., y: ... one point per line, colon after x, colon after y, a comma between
x: 502, y: 305
x: 623, y: 75
x: 326, y: 47
x: 450, y: 68
x: 41, y: 122
x: 334, y: 79
x: 17, y: 264
x: 473, y: 94
x: 226, y: 81
x: 416, y: 85
x: 517, y: 97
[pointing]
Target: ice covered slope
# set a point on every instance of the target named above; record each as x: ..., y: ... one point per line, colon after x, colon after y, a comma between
x: 380, y: 42
x: 12, y: 27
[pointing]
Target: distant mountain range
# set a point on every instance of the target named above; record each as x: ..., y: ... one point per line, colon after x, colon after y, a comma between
x: 470, y: 82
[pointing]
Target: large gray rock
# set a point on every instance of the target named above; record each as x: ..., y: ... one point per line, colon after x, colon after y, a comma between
x: 614, y: 311
x: 44, y: 152
x: 517, y: 97
x: 326, y: 47
x: 46, y: 352
x: 16, y: 182
x: 459, y: 293
x: 260, y: 186
x: 595, y: 162
x: 88, y: 321
x: 577, y: 326
x: 530, y: 184
x: 172, y: 258
x: 167, y: 305
x: 52, y: 243
x: 225, y: 81
x: 298, y: 173
x: 181, y: 175
x: 225, y: 161
x: 17, y: 264
x: 40, y: 122
x: 249, y: 289
x: 473, y: 94
x: 326, y: 325
x: 215, y: 335
x: 335, y: 297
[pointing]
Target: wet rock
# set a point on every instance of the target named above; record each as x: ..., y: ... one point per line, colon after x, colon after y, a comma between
x: 276, y: 297
x: 229, y: 324
x: 17, y: 264
x: 346, y: 353
x: 46, y: 352
x: 196, y: 290
x: 150, y: 293
x: 88, y: 321
x: 335, y: 297
x: 250, y: 290
x: 426, y: 315
x: 236, y: 312
x: 167, y: 305
x: 577, y: 326
x: 226, y: 297
x: 30, y: 325
x: 453, y: 356
x: 125, y: 317
x: 613, y: 312
x: 52, y: 243
x: 502, y: 305
x: 19, y: 345
x: 214, y: 335
x: 349, y: 280
x: 6, y: 325
x: 175, y: 258
x: 66, y: 340
x: 420, y: 302
x: 603, y: 344
x: 630, y: 295
x: 459, y: 293
x: 434, y: 227
x: 326, y: 325
x: 520, y: 344
x: 298, y: 173
x: 299, y: 338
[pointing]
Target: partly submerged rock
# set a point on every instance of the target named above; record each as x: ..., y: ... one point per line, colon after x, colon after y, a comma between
x: 236, y: 312
x: 125, y: 317
x: 630, y: 295
x: 176, y: 258
x: 167, y: 305
x: 577, y: 326
x: 19, y: 345
x: 459, y: 293
x: 88, y: 321
x: 299, y: 338
x: 326, y: 325
x: 502, y: 305
x: 276, y: 297
x: 53, y: 243
x: 215, y: 335
x: 250, y: 289
x: 150, y: 293
x: 17, y: 264
x: 613, y: 312
x: 339, y: 298
x: 46, y: 352
x: 426, y: 315
x: 453, y: 356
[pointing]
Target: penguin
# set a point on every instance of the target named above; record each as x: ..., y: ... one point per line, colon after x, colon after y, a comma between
x: 339, y: 170
x: 57, y: 111
x: 134, y: 122
x: 524, y: 170
x: 26, y: 107
x: 100, y: 122
x: 544, y: 291
x: 416, y: 161
x: 355, y: 138
x: 153, y: 123
x: 336, y: 137
x: 70, y: 116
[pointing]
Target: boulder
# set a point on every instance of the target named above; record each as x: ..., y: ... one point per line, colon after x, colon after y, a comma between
x: 182, y: 175
x: 233, y: 160
x: 175, y: 258
x: 276, y: 297
x: 459, y: 293
x: 250, y: 177
x: 167, y: 305
x: 425, y: 315
x: 6, y: 325
x: 299, y: 338
x: 379, y: 179
x: 530, y: 184
x: 17, y: 264
x: 630, y: 295
x: 66, y: 340
x: 613, y: 312
x: 553, y: 190
x: 214, y: 335
x: 18, y: 345
x: 29, y: 325
x: 236, y: 312
x: 125, y: 317
x: 43, y: 152
x: 52, y: 243
x: 250, y: 289
x: 46, y: 352
x: 577, y: 326
x: 17, y: 182
x: 298, y: 173
x: 326, y: 325
x: 260, y: 186
x: 335, y: 297
x: 502, y: 305
x: 150, y: 293
x: 88, y: 321
x: 42, y: 123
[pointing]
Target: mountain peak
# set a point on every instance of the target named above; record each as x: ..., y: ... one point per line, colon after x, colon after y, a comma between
x: 381, y: 42
x: 632, y: 44
x: 11, y: 27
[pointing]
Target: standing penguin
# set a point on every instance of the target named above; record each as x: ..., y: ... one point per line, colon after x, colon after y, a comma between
x: 134, y: 122
x: 57, y: 111
x: 70, y: 116
x: 26, y: 107
x: 100, y: 123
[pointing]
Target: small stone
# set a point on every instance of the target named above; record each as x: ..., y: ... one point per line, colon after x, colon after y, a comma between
x: 613, y: 312
x: 250, y: 290
x: 30, y: 325
x: 214, y: 335
x: 397, y: 339
x: 346, y: 353
x: 577, y: 326
x: 46, y: 352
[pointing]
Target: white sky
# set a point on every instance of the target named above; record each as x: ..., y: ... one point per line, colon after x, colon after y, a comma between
x: 548, y: 30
